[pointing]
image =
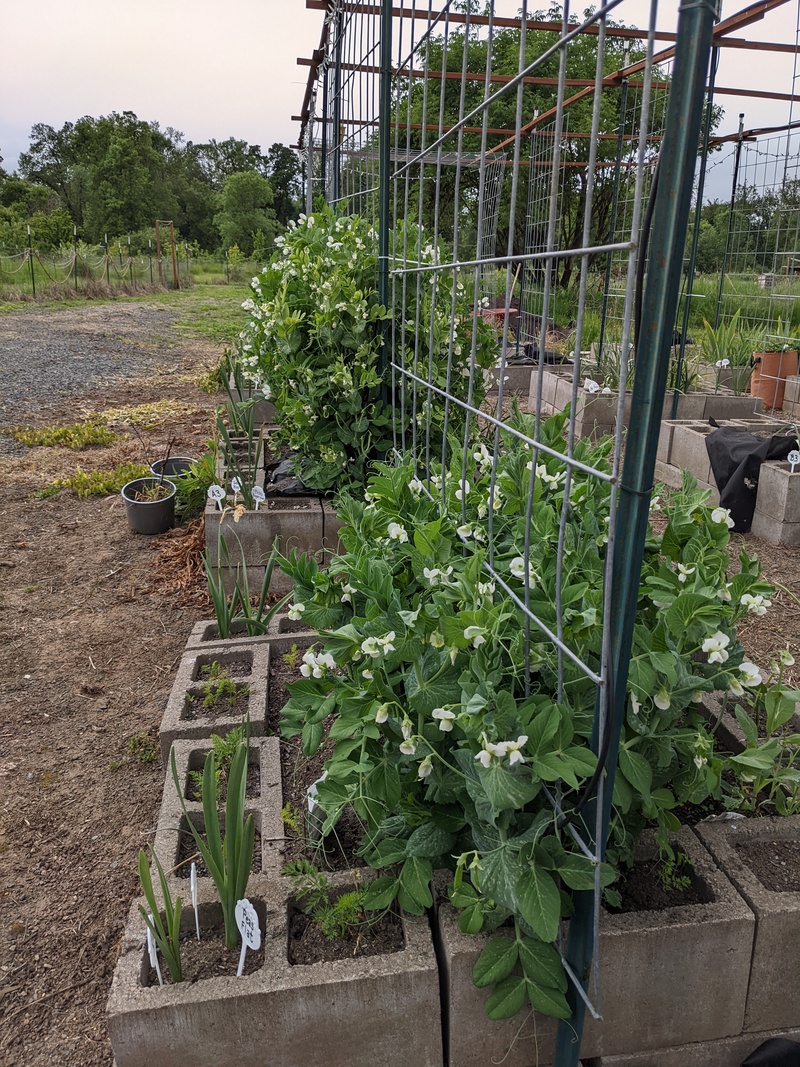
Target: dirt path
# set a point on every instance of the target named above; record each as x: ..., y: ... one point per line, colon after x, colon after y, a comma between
x: 90, y: 647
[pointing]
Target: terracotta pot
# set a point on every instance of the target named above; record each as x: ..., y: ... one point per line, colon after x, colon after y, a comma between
x: 769, y: 376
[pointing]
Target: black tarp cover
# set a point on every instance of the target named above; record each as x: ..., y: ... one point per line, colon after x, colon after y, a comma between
x: 736, y: 457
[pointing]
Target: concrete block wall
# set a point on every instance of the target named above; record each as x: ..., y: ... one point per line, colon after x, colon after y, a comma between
x: 381, y: 1010
x: 777, y: 514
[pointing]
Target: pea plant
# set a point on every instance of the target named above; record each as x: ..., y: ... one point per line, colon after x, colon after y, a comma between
x: 314, y: 340
x: 443, y: 746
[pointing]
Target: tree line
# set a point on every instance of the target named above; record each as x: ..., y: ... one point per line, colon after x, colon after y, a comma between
x: 115, y: 175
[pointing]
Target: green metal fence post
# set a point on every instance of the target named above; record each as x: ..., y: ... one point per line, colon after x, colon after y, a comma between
x: 653, y: 342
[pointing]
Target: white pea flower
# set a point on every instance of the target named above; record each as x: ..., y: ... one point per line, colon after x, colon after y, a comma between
x: 382, y: 714
x: 513, y: 749
x: 295, y: 612
x: 715, y: 646
x: 736, y: 688
x: 700, y: 762
x: 786, y: 658
x: 436, y: 639
x: 723, y: 515
x: 425, y: 768
x: 751, y: 675
x: 432, y: 574
x: 406, y: 728
x: 662, y: 699
x: 445, y: 719
x: 685, y: 572
x: 416, y: 486
x: 315, y: 666
x: 408, y: 748
x: 464, y: 531
x: 370, y: 647
x: 463, y: 491
x: 486, y: 588
x: 724, y: 594
x: 475, y: 634
x: 517, y: 568
x: 698, y: 696
x: 756, y: 605
x: 655, y: 504
x: 347, y: 593
x: 482, y: 456
x: 386, y: 642
x: 367, y: 674
x: 635, y: 704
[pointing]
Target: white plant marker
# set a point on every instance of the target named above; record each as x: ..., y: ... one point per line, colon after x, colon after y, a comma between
x: 258, y: 495
x: 794, y: 459
x: 236, y: 486
x: 218, y: 494
x: 193, y: 889
x: 247, y: 921
x: 152, y: 953
x: 314, y: 823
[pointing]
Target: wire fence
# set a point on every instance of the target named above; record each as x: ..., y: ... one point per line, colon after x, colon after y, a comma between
x: 501, y: 161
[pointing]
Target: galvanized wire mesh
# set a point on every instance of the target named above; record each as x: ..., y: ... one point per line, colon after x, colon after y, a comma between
x: 520, y: 156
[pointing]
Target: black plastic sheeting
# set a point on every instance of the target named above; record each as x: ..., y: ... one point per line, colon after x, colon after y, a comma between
x: 736, y: 457
x: 776, y: 1052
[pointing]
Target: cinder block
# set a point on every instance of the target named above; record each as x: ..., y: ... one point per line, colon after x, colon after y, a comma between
x: 727, y: 1052
x: 381, y: 1010
x: 266, y: 806
x: 773, y: 531
x: 176, y: 723
x: 206, y: 632
x: 773, y: 998
x: 666, y: 977
x: 689, y: 450
x: 665, y: 441
x: 516, y: 379
x: 779, y: 492
x: 792, y: 391
x: 724, y: 407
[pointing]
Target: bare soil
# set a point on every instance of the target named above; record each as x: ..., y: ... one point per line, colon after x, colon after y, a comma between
x: 92, y: 627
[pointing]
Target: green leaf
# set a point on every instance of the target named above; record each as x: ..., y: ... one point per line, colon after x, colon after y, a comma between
x: 507, y: 787
x: 383, y: 785
x: 380, y: 893
x: 541, y: 964
x: 543, y: 728
x: 311, y: 737
x: 548, y: 1001
x: 757, y: 759
x: 386, y: 854
x: 539, y: 902
x: 470, y: 919
x: 496, y: 961
x: 636, y: 770
x: 499, y: 872
x: 507, y: 999
x: 430, y: 842
x: 415, y: 879
x: 748, y: 727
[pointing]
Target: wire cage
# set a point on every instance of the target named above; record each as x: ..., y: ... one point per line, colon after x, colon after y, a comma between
x: 508, y: 164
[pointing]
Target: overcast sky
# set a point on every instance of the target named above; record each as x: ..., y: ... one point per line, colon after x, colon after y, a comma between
x: 228, y: 68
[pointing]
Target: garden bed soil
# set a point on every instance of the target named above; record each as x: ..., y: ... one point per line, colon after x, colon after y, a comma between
x: 194, y: 787
x: 187, y: 851
x: 307, y: 943
x: 209, y: 957
x: 93, y: 628
x: 776, y: 864
x: 644, y: 888
x: 226, y: 707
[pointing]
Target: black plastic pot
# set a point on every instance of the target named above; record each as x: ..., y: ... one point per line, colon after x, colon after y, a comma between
x: 148, y: 516
x: 173, y: 467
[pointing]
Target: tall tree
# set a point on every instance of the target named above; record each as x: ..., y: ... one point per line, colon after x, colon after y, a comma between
x: 284, y: 176
x: 246, y: 210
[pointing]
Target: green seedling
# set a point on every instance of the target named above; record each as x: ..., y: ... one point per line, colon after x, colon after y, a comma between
x: 291, y: 817
x: 142, y: 747
x: 96, y: 483
x: 165, y: 931
x: 223, y: 749
x: 335, y: 916
x: 77, y: 436
x: 290, y: 657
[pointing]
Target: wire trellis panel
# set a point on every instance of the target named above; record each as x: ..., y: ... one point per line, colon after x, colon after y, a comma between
x: 474, y: 97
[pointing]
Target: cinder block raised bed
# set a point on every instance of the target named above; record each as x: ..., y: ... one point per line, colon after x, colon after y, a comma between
x: 263, y: 800
x: 516, y: 378
x: 666, y: 978
x: 306, y: 523
x: 381, y: 1010
x: 773, y: 998
x: 727, y: 1052
x: 597, y: 412
x: 205, y: 634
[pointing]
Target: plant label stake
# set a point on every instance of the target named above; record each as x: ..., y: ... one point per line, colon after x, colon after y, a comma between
x: 236, y: 486
x: 193, y: 889
x: 217, y: 493
x: 151, y: 952
x: 258, y: 495
x: 794, y: 459
x: 247, y: 921
x: 314, y: 822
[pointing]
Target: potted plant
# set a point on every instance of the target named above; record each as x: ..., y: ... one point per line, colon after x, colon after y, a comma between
x: 149, y: 504
x: 775, y: 359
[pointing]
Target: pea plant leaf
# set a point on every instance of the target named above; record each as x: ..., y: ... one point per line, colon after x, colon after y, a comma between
x: 496, y: 961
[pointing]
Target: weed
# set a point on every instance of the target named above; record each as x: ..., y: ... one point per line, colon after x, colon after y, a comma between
x: 96, y: 483
x: 672, y: 873
x: 148, y: 416
x: 215, y: 380
x: 293, y: 818
x: 142, y: 747
x: 77, y: 435
x: 290, y: 657
x: 334, y: 915
x: 223, y: 750
x: 220, y: 686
